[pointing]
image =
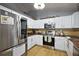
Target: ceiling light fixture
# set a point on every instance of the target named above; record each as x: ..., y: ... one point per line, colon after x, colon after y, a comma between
x: 39, y: 6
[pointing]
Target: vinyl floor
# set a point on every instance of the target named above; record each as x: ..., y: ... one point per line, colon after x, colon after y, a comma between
x: 44, y: 51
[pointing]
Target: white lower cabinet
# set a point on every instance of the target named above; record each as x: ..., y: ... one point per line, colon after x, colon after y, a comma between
x: 60, y: 43
x: 35, y: 39
x: 30, y: 42
x: 70, y: 48
x: 39, y: 40
x: 66, y: 46
x: 19, y: 50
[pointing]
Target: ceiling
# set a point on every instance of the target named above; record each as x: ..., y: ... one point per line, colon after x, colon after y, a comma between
x: 51, y: 9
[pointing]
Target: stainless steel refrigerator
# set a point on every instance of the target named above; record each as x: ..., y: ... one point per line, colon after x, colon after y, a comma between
x: 7, y: 30
x: 11, y: 32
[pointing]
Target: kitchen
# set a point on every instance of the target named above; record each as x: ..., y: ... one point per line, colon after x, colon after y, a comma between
x: 51, y: 31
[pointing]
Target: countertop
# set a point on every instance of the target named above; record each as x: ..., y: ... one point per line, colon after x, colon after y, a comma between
x: 75, y: 42
x: 76, y: 37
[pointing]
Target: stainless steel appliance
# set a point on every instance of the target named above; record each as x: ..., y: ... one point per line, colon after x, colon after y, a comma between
x: 7, y: 30
x: 13, y: 30
x: 48, y: 37
x: 21, y: 30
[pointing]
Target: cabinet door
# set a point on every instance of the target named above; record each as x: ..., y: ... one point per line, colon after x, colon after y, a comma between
x: 63, y: 22
x: 75, y: 20
x: 36, y: 24
x: 30, y: 23
x: 39, y: 40
x: 66, y: 45
x: 19, y: 50
x: 57, y: 22
x: 33, y: 40
x: 59, y: 43
x: 68, y: 23
x: 29, y: 43
x: 70, y: 48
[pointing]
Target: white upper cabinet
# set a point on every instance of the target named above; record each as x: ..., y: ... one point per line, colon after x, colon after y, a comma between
x: 70, y: 21
x: 51, y: 20
x: 58, y: 22
x: 39, y: 24
x: 75, y: 20
x: 63, y: 22
x: 30, y: 23
x: 67, y: 22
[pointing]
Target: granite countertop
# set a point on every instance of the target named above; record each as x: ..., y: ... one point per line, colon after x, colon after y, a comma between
x: 76, y: 37
x: 75, y: 42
